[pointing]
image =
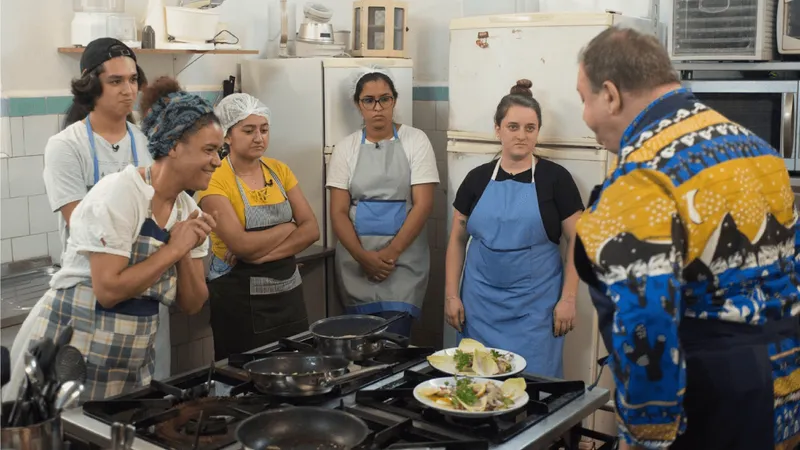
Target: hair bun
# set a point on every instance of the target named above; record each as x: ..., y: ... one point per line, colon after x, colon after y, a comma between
x: 523, y: 87
x: 156, y: 90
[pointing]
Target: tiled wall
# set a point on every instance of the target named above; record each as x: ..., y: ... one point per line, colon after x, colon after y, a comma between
x: 29, y: 229
x: 431, y: 110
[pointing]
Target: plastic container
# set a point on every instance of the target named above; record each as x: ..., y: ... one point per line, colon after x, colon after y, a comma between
x: 191, y: 25
x: 102, y: 6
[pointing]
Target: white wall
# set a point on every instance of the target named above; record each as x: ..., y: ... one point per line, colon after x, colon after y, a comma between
x: 30, y: 32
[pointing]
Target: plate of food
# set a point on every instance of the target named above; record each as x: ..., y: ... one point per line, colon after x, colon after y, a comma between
x: 471, y: 358
x: 472, y: 397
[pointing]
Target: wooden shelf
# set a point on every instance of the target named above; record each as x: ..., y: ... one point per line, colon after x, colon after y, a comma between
x: 167, y: 51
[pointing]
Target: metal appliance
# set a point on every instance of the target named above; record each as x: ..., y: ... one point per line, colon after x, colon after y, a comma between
x: 201, y: 409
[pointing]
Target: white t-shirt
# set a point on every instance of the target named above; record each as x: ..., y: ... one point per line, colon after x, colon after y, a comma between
x: 109, y: 219
x: 69, y: 169
x: 415, y: 143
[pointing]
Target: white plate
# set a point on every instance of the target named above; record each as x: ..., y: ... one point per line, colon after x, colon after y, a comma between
x: 519, y: 402
x: 518, y: 364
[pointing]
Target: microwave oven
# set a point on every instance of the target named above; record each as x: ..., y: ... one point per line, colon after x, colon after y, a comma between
x: 723, y: 30
x: 788, y: 27
x: 767, y: 108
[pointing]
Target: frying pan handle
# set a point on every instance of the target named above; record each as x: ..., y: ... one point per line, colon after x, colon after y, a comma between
x: 329, y: 381
x: 398, y: 339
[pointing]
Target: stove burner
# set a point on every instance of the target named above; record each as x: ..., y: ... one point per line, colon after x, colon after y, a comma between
x: 212, y: 426
x: 221, y: 414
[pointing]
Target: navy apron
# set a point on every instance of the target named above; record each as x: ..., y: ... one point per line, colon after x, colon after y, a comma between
x: 512, y: 276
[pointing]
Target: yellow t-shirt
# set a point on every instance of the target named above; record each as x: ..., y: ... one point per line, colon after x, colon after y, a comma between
x: 223, y: 183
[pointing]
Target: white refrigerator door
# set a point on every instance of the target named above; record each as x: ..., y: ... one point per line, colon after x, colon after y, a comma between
x: 292, y: 89
x: 341, y: 113
x: 489, y: 54
x: 588, y: 168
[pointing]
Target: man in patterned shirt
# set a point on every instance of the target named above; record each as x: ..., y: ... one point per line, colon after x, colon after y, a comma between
x: 689, y: 248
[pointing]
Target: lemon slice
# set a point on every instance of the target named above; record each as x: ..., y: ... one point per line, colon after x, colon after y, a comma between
x: 427, y: 391
x: 468, y: 345
x: 483, y: 364
x: 444, y: 363
x: 513, y: 388
x: 480, y: 405
x: 441, y: 401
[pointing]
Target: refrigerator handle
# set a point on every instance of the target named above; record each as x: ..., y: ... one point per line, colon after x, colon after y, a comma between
x: 788, y: 125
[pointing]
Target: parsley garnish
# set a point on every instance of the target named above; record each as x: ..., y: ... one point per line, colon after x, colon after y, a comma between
x: 464, y: 391
x: 463, y: 360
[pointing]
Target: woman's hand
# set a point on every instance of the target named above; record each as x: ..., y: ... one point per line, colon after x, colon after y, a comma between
x: 375, y: 267
x: 564, y: 316
x: 454, y: 312
x: 190, y: 233
x: 230, y: 258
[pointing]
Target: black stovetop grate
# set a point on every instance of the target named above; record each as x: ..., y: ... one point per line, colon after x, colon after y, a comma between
x: 546, y: 397
x: 230, y: 398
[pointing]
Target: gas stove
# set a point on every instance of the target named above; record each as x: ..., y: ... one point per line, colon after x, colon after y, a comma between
x: 202, y: 409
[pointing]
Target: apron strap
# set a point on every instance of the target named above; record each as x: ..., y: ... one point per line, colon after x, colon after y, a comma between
x: 533, y: 169
x: 364, y: 133
x: 93, y: 149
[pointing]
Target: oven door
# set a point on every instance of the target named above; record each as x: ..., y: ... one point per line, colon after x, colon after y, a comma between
x: 767, y: 108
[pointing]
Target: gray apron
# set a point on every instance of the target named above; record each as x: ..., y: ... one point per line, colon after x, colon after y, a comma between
x: 256, y: 304
x: 380, y: 190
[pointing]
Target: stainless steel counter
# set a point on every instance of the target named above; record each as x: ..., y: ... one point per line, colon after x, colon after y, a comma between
x: 538, y: 437
x: 18, y: 294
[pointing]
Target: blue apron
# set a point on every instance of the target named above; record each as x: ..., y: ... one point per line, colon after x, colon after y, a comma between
x: 95, y: 162
x: 512, y: 276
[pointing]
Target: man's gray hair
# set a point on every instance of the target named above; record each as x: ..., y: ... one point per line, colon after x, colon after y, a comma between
x: 632, y: 61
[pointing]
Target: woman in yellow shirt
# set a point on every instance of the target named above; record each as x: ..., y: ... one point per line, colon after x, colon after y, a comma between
x: 263, y: 219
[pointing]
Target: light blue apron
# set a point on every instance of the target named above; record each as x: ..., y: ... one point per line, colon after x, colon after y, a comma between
x: 95, y: 162
x: 380, y: 190
x: 512, y: 276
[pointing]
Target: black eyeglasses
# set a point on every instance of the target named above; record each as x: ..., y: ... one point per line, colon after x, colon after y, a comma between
x: 371, y: 103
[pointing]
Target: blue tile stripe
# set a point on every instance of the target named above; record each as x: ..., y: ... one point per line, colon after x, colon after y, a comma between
x: 39, y: 106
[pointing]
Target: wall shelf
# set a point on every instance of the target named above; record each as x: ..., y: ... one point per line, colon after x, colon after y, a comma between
x: 166, y: 51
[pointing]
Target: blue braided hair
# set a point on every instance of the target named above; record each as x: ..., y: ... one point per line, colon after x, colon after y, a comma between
x: 171, y: 115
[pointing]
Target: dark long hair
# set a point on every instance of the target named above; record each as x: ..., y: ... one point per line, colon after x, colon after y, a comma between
x: 85, y: 92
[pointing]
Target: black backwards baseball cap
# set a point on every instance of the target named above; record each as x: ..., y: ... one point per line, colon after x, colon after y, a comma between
x: 101, y: 50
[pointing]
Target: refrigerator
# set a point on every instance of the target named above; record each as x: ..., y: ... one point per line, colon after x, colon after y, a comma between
x: 488, y: 54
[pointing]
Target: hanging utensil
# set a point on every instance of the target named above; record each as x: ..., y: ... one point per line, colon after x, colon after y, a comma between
x: 299, y: 375
x: 309, y: 427
x: 67, y: 395
x: 70, y: 365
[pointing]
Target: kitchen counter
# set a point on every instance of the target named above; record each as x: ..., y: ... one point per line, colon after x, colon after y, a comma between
x: 19, y: 293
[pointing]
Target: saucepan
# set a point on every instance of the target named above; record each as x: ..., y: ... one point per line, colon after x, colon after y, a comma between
x: 301, y: 428
x: 355, y: 337
x: 300, y: 375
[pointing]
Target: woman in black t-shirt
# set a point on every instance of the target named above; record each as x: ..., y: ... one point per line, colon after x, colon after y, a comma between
x: 505, y: 288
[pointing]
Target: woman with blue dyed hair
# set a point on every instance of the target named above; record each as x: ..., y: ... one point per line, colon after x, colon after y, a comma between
x: 136, y: 241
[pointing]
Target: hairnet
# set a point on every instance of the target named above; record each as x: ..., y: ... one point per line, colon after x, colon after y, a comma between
x: 237, y: 107
x: 364, y: 71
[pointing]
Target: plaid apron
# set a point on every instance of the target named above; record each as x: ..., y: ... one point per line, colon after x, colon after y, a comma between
x: 118, y: 343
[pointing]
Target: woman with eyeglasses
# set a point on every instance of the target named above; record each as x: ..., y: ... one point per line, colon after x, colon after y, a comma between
x: 381, y: 181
